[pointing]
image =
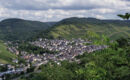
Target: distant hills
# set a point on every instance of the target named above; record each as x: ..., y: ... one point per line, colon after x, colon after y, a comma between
x: 78, y: 27
x: 19, y: 29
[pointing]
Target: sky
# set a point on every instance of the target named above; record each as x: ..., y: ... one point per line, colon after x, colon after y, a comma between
x: 55, y: 10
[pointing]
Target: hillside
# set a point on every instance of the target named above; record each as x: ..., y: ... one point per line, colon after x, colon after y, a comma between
x: 19, y: 29
x: 5, y: 56
x: 78, y: 27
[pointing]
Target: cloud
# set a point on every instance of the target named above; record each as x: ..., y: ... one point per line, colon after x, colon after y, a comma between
x: 60, y: 4
x: 51, y: 10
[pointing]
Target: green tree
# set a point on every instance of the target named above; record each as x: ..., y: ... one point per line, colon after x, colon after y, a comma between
x: 126, y: 16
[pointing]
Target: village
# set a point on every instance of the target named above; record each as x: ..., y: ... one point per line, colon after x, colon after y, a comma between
x: 65, y: 50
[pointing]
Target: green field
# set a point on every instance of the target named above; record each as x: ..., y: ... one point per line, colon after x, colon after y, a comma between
x: 5, y: 56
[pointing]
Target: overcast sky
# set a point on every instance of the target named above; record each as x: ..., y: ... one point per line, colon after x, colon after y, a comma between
x: 55, y: 10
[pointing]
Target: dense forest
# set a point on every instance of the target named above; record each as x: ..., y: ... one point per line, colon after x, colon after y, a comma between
x: 19, y: 29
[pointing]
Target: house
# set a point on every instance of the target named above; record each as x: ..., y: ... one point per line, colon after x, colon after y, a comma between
x: 10, y: 67
x: 15, y: 61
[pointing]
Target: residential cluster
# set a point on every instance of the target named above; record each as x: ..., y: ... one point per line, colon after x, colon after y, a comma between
x: 66, y: 49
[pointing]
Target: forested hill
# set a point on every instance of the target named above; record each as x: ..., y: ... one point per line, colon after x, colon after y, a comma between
x: 78, y: 27
x: 19, y: 29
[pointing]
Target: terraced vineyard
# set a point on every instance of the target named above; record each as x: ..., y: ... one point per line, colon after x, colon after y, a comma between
x: 5, y: 55
x: 78, y: 27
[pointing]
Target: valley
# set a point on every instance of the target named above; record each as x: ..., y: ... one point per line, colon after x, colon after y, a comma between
x: 64, y: 39
x: 31, y: 47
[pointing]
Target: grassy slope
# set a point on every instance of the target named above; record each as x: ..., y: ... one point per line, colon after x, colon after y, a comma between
x: 5, y: 56
x: 112, y: 30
